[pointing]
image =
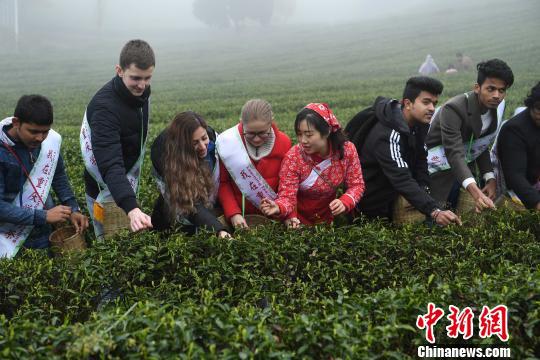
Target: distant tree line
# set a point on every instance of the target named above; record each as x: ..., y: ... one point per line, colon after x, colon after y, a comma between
x: 238, y: 13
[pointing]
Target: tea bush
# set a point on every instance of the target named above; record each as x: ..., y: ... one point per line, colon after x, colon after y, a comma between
x: 342, y: 292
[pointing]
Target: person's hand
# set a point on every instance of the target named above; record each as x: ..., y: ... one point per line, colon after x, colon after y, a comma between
x: 292, y: 223
x: 238, y: 221
x: 483, y: 202
x: 79, y: 221
x: 58, y: 214
x: 444, y: 218
x: 222, y: 234
x: 269, y: 207
x: 138, y: 220
x: 490, y: 190
x: 337, y: 207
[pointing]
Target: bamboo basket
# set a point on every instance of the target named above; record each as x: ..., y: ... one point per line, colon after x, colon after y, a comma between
x: 66, y: 239
x: 405, y: 213
x: 465, y: 202
x: 507, y: 202
x: 113, y: 218
x: 253, y: 220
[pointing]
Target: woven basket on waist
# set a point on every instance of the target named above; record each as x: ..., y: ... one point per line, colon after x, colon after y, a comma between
x: 253, y: 220
x: 507, y: 202
x: 66, y: 239
x: 114, y: 219
x: 405, y: 213
x: 465, y: 202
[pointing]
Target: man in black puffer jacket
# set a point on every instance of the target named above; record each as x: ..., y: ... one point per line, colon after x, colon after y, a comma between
x: 393, y: 156
x: 114, y: 132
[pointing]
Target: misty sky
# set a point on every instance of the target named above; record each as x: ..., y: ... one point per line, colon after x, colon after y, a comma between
x: 178, y: 14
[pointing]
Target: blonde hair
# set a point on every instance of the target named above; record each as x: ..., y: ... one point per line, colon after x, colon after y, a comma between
x: 256, y: 109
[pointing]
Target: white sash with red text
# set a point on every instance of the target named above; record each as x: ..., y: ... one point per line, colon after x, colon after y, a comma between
x: 437, y: 160
x: 234, y: 155
x: 315, y: 174
x: 91, y: 165
x: 12, y: 236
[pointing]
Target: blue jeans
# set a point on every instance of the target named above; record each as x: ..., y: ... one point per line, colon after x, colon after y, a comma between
x: 39, y: 237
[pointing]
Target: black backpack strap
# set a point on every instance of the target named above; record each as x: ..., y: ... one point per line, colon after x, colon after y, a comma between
x: 359, y: 127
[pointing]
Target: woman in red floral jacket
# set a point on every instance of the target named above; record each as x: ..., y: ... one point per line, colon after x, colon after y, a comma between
x: 313, y: 169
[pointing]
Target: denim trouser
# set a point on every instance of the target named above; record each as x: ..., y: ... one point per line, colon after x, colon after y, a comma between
x: 98, y: 227
x: 39, y: 237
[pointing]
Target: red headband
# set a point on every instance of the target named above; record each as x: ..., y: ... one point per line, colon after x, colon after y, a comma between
x: 324, y: 111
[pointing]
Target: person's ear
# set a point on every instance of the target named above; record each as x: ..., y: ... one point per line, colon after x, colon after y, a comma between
x: 119, y: 70
x: 16, y: 122
x: 407, y: 104
x: 476, y: 88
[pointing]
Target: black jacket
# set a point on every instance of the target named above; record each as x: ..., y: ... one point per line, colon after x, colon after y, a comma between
x: 394, y: 161
x: 118, y: 122
x: 203, y: 217
x: 518, y: 148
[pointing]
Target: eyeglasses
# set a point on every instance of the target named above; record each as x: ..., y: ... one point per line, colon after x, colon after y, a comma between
x: 263, y: 135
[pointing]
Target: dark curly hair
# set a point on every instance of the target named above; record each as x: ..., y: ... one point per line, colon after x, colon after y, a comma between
x: 495, y: 68
x: 533, y: 97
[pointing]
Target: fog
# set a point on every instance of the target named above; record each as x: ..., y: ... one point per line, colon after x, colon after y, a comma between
x: 137, y: 16
x: 239, y: 26
x: 259, y: 47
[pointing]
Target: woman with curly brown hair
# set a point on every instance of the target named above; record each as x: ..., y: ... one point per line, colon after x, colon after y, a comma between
x: 186, y: 170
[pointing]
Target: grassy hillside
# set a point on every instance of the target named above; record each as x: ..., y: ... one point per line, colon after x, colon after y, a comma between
x: 347, y: 65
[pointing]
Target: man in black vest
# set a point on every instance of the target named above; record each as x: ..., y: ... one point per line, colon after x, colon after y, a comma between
x: 117, y: 118
x: 393, y: 157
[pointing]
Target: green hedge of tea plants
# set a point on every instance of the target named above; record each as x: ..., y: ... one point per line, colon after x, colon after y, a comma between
x: 321, y: 292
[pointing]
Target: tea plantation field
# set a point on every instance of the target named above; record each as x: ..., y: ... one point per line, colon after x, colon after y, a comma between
x: 322, y: 292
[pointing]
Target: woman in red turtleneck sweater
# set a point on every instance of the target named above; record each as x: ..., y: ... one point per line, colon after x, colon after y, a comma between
x: 251, y: 154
